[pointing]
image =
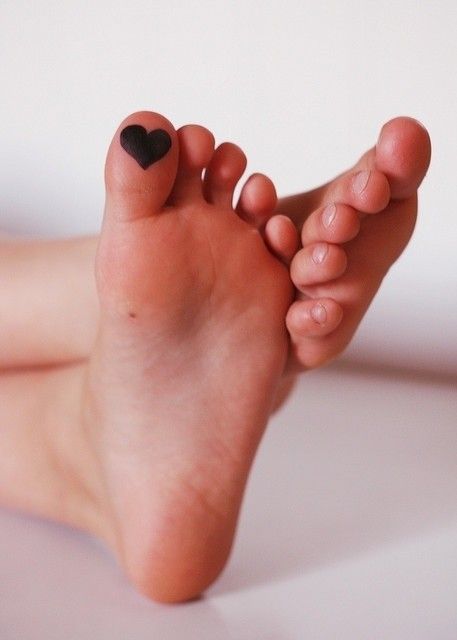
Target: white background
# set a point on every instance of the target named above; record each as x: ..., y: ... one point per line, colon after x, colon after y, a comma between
x: 364, y: 545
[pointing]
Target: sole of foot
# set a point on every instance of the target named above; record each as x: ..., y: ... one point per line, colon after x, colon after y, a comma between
x: 190, y: 348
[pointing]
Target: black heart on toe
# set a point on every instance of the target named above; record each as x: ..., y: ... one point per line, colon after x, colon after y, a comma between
x: 145, y: 147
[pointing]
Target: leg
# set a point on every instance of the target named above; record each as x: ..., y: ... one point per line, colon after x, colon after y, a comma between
x: 46, y: 465
x: 48, y: 306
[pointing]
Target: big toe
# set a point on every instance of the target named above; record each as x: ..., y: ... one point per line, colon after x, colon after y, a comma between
x: 140, y: 167
x: 403, y: 153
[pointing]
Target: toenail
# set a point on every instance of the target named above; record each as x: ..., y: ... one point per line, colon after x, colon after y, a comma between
x: 361, y: 181
x: 319, y: 253
x: 319, y: 313
x: 328, y: 214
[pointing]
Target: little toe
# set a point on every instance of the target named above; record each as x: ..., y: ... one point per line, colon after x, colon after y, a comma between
x: 226, y: 167
x: 334, y: 222
x: 140, y: 167
x: 258, y: 200
x: 196, y: 146
x: 281, y: 237
x: 317, y: 263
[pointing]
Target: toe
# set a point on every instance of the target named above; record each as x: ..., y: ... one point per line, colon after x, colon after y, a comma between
x: 140, y: 167
x: 308, y: 323
x: 281, y: 237
x: 196, y: 146
x: 313, y: 318
x: 258, y: 200
x: 366, y: 190
x: 334, y: 222
x: 403, y: 153
x: 225, y: 169
x: 317, y: 263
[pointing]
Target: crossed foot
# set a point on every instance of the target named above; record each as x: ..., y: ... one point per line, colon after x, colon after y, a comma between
x: 200, y: 319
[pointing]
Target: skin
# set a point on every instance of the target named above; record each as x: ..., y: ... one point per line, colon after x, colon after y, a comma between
x: 85, y: 441
x: 55, y: 278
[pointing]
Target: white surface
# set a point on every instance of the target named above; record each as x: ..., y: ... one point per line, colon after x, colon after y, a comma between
x: 349, y: 531
x: 302, y: 86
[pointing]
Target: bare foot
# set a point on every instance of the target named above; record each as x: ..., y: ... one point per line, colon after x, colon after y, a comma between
x: 190, y: 347
x: 333, y: 295
x: 191, y: 340
x: 353, y: 230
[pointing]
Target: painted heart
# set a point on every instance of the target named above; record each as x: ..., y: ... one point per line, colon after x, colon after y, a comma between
x: 145, y: 147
